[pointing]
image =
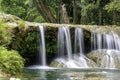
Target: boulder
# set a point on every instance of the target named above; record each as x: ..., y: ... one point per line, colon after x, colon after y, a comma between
x: 76, y: 62
x: 105, y: 58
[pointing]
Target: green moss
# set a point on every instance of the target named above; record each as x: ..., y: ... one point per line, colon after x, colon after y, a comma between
x: 22, y: 25
x: 12, y: 19
x: 51, y: 41
x: 26, y: 43
x: 5, y: 33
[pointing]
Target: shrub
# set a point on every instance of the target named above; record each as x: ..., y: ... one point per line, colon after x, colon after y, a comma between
x: 10, y: 61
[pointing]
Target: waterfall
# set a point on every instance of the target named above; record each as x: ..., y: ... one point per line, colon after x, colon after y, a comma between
x: 112, y: 41
x: 108, y: 60
x: 79, y: 41
x: 99, y: 41
x: 109, y: 42
x: 105, y: 41
x: 64, y: 42
x: 42, y: 51
x: 93, y: 41
x: 67, y: 59
x: 96, y: 40
x: 79, y: 47
x: 116, y: 41
x: 78, y: 59
x: 61, y: 42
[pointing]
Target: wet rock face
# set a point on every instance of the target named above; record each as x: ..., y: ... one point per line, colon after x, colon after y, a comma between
x: 99, y: 58
x: 106, y: 58
x: 76, y: 62
x: 58, y: 63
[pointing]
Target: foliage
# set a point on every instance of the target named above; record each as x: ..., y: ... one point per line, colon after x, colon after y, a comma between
x: 5, y: 33
x: 16, y: 7
x: 39, y: 19
x: 51, y: 38
x: 22, y: 26
x: 86, y: 8
x: 88, y: 11
x: 10, y: 61
x: 24, y: 9
x: 113, y: 6
x: 25, y: 42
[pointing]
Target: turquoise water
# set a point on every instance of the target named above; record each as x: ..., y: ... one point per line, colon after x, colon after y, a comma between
x: 69, y: 74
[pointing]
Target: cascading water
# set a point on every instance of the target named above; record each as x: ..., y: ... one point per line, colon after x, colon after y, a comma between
x: 96, y: 41
x: 42, y: 52
x: 108, y: 60
x: 116, y: 41
x: 99, y: 41
x: 79, y: 41
x: 79, y: 47
x: 109, y: 42
x: 42, y: 46
x: 64, y: 45
x: 105, y: 41
x: 64, y: 42
x: 65, y: 56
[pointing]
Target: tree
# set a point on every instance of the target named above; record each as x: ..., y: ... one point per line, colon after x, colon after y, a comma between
x: 49, y: 13
x: 76, y: 11
x: 24, y: 9
x: 65, y: 11
x: 45, y: 10
x: 114, y: 8
x: 88, y: 7
x: 14, y: 7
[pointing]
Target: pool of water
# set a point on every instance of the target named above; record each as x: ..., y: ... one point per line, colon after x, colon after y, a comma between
x: 69, y: 74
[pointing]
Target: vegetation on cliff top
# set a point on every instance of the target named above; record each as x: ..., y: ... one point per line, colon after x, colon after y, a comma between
x: 100, y: 12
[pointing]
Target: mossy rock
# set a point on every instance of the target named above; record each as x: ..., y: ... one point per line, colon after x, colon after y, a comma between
x: 105, y: 58
x: 9, y: 17
x: 59, y: 63
x: 91, y: 63
x: 76, y: 62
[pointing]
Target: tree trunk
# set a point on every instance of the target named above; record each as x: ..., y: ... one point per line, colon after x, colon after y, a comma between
x: 65, y: 14
x: 75, y: 12
x: 100, y: 17
x: 114, y: 17
x: 84, y: 20
x: 59, y: 11
x: 45, y: 11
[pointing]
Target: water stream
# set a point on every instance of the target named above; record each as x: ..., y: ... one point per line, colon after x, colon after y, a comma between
x: 64, y: 42
x: 79, y: 41
x: 42, y: 51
